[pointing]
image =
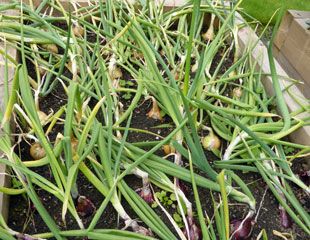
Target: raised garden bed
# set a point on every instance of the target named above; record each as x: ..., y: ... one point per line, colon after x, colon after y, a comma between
x: 104, y: 125
x: 292, y: 47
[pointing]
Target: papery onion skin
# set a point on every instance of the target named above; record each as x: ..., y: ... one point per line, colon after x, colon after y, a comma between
x: 51, y: 47
x: 245, y: 230
x: 138, y: 229
x: 154, y: 113
x: 285, y: 219
x: 168, y: 149
x: 78, y: 31
x: 137, y: 55
x: 211, y: 142
x: 209, y: 35
x: 74, y: 144
x: 42, y: 116
x: 195, y: 67
x: 70, y: 67
x: 114, y: 71
x: 37, y: 151
x: 85, y: 207
x: 146, y: 194
x: 194, y: 230
x: 237, y: 92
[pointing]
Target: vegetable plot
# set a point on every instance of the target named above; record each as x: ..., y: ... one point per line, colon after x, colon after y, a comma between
x: 137, y: 123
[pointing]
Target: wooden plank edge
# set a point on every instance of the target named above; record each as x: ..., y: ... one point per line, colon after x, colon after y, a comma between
x: 4, y: 177
x: 75, y: 4
x: 5, y: 180
x: 304, y: 85
x: 247, y: 37
x: 283, y: 29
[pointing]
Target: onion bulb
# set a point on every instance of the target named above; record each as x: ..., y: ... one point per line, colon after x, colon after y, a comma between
x: 78, y: 31
x: 194, y: 230
x: 285, y: 219
x: 85, y: 207
x: 114, y: 71
x: 138, y: 229
x: 51, y: 47
x: 168, y: 149
x: 73, y: 68
x: 242, y: 229
x: 42, y: 116
x: 146, y: 194
x: 37, y: 151
x: 137, y: 55
x: 74, y: 144
x: 155, y: 111
x: 211, y: 142
x: 195, y: 67
x: 209, y: 35
x: 237, y: 92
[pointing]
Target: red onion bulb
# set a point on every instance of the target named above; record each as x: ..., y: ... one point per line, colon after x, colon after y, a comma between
x: 194, y: 230
x: 85, y: 207
x: 285, y: 219
x: 242, y: 229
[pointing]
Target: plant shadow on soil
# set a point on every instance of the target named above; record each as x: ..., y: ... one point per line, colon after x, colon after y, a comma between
x: 23, y: 216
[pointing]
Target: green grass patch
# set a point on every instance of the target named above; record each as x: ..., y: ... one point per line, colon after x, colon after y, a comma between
x: 263, y: 10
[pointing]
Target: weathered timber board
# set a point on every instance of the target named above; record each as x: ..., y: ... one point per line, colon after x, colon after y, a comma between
x: 247, y: 37
x: 4, y: 179
x: 292, y: 47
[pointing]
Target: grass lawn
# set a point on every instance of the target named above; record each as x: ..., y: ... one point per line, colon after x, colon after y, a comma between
x: 263, y: 10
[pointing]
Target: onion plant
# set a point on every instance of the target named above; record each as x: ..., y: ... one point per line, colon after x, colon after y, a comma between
x: 169, y: 58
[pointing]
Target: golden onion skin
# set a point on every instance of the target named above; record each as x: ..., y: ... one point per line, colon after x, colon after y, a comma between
x: 168, y: 149
x: 42, y: 116
x: 37, y: 151
x: 51, y: 47
x: 78, y: 31
x: 211, y: 142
